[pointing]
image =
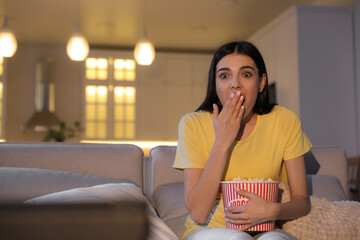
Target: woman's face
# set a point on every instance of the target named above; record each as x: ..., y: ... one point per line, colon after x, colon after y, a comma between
x: 238, y: 72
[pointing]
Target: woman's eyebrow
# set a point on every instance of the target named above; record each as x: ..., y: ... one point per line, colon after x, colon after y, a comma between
x: 222, y: 69
x: 243, y: 67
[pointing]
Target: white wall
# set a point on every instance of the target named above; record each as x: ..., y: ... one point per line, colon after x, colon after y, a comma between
x: 357, y: 67
x: 174, y: 85
x: 314, y: 71
x: 327, y: 76
x: 277, y: 42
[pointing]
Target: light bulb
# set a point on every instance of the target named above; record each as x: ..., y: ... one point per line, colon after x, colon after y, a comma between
x: 77, y: 47
x: 144, y: 51
x: 8, y: 43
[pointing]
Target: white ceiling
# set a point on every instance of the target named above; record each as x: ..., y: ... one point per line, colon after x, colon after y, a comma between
x: 200, y: 25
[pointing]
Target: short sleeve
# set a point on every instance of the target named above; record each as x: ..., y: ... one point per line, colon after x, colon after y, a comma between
x: 189, y: 152
x: 296, y: 142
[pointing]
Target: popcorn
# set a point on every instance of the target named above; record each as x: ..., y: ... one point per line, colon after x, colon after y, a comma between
x: 240, y: 179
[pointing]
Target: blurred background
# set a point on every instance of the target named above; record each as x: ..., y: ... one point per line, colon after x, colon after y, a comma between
x: 311, y: 48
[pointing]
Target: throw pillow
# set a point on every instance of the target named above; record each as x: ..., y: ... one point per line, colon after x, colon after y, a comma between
x: 110, y: 193
x: 327, y: 220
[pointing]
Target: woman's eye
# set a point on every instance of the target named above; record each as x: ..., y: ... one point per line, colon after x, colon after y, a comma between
x: 247, y: 74
x: 223, y: 75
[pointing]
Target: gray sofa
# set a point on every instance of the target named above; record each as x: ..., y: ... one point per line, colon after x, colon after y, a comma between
x: 35, y: 173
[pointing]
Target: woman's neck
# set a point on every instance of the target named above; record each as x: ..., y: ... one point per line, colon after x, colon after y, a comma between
x: 247, y: 126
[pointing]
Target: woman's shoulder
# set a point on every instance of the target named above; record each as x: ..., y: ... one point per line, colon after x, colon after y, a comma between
x: 282, y: 112
x: 198, y: 116
x: 197, y: 123
x: 281, y: 116
x: 196, y: 120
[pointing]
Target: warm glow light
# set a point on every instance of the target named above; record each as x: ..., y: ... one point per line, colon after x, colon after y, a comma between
x: 101, y: 91
x: 145, y: 145
x: 102, y: 63
x: 144, y: 51
x: 129, y: 64
x: 130, y: 76
x: 8, y: 43
x: 130, y: 91
x: 77, y: 47
x: 102, y: 74
x: 91, y: 90
x: 119, y: 64
x: 91, y: 63
x: 119, y: 91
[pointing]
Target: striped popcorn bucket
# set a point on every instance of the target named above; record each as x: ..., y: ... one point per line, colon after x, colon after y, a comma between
x: 267, y: 190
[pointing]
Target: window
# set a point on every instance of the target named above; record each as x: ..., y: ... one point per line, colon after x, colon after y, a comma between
x: 110, y: 97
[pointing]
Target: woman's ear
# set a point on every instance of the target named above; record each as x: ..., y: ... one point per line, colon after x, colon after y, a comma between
x: 262, y: 82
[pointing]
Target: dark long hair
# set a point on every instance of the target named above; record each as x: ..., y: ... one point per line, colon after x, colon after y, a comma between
x: 262, y: 105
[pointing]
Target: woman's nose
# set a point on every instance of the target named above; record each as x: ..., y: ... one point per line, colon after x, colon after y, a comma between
x: 235, y: 83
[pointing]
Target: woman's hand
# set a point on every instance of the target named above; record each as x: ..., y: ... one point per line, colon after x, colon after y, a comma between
x: 227, y: 122
x: 256, y: 211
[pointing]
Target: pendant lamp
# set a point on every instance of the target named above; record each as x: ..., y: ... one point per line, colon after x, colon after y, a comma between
x: 77, y: 47
x: 144, y: 51
x: 8, y: 43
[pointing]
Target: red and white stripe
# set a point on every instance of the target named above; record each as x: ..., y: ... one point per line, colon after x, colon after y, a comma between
x: 267, y: 190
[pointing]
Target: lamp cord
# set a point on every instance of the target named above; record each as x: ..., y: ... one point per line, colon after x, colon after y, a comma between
x: 5, y: 8
x: 144, y: 15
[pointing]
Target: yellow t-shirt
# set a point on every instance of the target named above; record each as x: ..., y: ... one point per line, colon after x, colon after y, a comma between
x: 277, y: 136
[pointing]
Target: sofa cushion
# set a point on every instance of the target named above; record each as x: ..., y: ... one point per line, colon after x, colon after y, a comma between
x: 320, y: 186
x: 331, y: 161
x: 20, y: 184
x: 168, y: 200
x: 326, y: 186
x: 327, y: 220
x: 109, y: 193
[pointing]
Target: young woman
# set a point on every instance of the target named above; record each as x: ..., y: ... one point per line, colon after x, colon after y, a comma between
x: 236, y: 132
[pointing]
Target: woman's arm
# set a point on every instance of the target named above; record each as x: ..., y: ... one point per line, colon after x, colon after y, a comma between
x: 259, y: 210
x: 202, y: 185
x: 299, y: 205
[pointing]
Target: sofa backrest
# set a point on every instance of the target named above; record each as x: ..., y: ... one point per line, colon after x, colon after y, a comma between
x: 319, y: 161
x: 328, y: 161
x: 161, y: 171
x: 104, y: 160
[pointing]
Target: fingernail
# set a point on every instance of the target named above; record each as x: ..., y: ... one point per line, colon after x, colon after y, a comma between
x: 232, y: 95
x: 238, y: 93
